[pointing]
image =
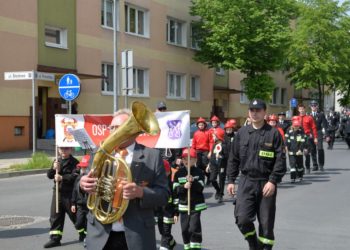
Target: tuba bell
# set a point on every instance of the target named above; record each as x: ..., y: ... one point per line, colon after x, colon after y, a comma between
x: 107, y: 203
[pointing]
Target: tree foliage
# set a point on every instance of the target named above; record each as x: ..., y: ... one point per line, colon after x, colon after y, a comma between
x: 319, y: 56
x: 248, y: 35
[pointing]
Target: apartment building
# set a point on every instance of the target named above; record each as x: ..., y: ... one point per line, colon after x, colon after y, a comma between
x: 69, y: 36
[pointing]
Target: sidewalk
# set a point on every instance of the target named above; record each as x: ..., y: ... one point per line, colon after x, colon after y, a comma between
x: 10, y: 158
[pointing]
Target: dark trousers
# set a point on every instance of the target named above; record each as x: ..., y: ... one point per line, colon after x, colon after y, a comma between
x: 317, y: 151
x: 215, y: 171
x: 347, y: 139
x: 202, y: 161
x: 251, y: 204
x: 116, y: 240
x: 81, y: 222
x: 191, y: 228
x: 57, y: 219
x: 296, y: 166
x: 164, y: 221
x: 331, y: 139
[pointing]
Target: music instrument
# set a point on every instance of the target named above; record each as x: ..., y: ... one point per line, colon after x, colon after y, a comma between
x: 107, y: 203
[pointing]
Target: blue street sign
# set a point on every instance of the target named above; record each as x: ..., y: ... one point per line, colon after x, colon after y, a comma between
x: 69, y: 87
x: 293, y: 103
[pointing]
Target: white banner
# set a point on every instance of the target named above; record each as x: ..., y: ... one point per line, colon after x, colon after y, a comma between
x: 175, y: 129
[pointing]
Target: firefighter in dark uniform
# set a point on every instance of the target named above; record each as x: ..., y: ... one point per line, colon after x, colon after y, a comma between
x: 296, y: 144
x: 333, y: 126
x: 317, y: 149
x: 346, y: 128
x: 191, y: 226
x: 67, y: 173
x: 282, y: 122
x: 79, y: 201
x: 259, y: 153
x: 165, y: 216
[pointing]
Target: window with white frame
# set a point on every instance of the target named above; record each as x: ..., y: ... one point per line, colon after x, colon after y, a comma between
x: 195, y: 88
x: 243, y: 96
x: 107, y: 19
x: 140, y: 82
x: 275, y: 96
x: 136, y: 20
x: 194, y: 39
x: 176, y: 86
x: 56, y: 37
x: 283, y: 96
x: 219, y: 71
x: 107, y: 82
x: 176, y: 32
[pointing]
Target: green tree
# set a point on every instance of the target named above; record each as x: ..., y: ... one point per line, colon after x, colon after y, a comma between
x: 248, y: 35
x: 319, y: 56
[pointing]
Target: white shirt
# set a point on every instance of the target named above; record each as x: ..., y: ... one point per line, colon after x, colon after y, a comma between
x: 118, y: 226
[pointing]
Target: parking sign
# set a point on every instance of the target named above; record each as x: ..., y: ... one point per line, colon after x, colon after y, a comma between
x: 69, y: 87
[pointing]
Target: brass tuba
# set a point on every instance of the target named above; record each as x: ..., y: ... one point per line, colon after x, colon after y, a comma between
x: 107, y: 203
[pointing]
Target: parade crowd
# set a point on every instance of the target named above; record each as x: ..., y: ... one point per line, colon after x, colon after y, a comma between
x: 168, y: 184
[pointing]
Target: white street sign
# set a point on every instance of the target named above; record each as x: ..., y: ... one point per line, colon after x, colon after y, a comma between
x: 18, y: 75
x: 28, y: 75
x: 45, y: 76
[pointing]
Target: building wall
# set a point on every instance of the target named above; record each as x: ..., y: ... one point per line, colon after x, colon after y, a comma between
x: 57, y: 14
x: 10, y: 142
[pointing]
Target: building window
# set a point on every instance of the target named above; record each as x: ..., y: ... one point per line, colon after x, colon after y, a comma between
x: 176, y: 32
x: 275, y: 96
x: 176, y: 86
x: 194, y: 39
x: 140, y: 82
x: 219, y: 71
x: 243, y: 96
x: 19, y: 131
x: 195, y: 88
x: 283, y: 96
x: 107, y: 13
x: 136, y: 20
x: 107, y: 82
x: 56, y: 37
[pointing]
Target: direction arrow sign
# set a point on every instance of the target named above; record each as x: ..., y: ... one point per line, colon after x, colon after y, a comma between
x: 69, y: 87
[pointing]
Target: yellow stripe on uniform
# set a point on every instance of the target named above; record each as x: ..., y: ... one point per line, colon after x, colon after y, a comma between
x: 267, y: 154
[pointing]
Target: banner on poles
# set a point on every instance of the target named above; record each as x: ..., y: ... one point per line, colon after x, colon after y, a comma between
x: 96, y: 127
x: 175, y: 129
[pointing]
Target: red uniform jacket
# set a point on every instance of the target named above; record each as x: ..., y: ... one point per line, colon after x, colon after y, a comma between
x: 200, y: 140
x: 309, y: 126
x: 211, y: 132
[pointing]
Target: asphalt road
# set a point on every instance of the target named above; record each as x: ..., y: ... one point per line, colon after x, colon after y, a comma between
x: 313, y: 214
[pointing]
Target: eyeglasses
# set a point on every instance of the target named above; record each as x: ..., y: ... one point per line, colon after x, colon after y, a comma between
x: 113, y: 127
x: 313, y: 105
x: 162, y: 109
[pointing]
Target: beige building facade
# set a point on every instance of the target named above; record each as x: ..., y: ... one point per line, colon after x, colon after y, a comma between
x: 76, y: 36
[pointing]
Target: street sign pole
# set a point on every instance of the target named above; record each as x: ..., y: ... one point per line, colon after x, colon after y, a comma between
x: 33, y: 113
x: 115, y: 59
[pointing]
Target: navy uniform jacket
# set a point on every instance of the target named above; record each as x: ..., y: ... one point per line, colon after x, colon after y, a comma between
x: 258, y: 153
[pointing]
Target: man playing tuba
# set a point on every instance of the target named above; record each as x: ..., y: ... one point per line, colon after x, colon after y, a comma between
x: 147, y: 189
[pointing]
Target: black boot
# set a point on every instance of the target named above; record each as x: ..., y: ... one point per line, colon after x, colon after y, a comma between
x: 253, y: 242
x: 52, y: 243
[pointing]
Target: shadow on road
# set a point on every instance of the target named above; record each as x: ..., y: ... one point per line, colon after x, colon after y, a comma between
x: 22, y: 232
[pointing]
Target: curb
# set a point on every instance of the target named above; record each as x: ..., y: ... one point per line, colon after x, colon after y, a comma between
x: 22, y: 173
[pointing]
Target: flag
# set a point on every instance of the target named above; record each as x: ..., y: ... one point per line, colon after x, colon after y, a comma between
x: 175, y: 131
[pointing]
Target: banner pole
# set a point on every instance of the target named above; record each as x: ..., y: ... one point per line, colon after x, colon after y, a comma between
x: 57, y: 192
